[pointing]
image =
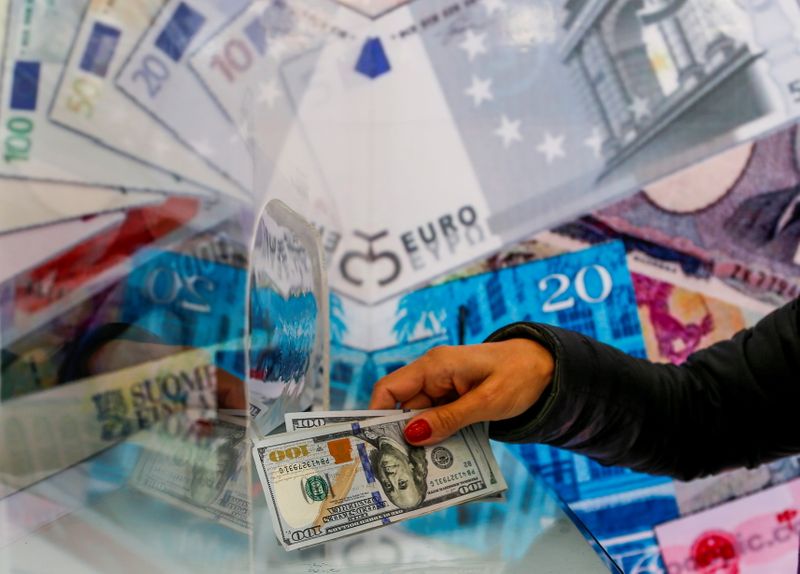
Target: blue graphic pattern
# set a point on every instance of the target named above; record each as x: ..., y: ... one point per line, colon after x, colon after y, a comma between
x: 100, y: 49
x: 373, y: 61
x: 590, y: 292
x: 25, y: 86
x: 188, y: 301
x: 179, y: 31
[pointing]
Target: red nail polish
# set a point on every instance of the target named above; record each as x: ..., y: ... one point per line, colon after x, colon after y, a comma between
x: 418, y: 431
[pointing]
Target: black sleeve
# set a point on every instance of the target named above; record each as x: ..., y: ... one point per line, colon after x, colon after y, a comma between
x: 732, y: 404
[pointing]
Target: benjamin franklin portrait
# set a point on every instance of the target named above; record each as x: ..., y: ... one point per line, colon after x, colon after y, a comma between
x: 401, y: 469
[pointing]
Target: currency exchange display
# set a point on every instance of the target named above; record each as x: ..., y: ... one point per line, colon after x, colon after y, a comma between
x: 222, y: 222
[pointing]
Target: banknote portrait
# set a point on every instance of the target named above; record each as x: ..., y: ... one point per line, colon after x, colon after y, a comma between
x: 768, y: 223
x: 401, y: 469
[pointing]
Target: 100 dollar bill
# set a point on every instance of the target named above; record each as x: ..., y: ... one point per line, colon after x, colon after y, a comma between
x: 200, y: 469
x: 480, y: 432
x: 333, y: 481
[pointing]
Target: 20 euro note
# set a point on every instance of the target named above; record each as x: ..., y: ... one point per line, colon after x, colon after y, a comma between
x: 329, y: 482
x: 158, y: 78
x: 88, y: 102
x: 36, y: 39
x: 316, y: 419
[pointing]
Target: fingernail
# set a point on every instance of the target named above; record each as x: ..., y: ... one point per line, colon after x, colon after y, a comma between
x: 418, y: 431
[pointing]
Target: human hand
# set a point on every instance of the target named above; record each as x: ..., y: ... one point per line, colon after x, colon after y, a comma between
x: 466, y: 385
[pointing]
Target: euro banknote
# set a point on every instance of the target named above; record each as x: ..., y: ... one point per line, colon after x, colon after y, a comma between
x: 492, y: 122
x: 37, y: 40
x: 87, y: 101
x: 25, y: 203
x: 328, y: 482
x: 156, y: 75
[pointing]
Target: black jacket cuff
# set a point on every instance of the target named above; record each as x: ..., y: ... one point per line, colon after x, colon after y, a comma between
x: 543, y: 420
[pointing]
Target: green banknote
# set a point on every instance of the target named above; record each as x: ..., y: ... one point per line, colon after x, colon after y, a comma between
x: 332, y: 481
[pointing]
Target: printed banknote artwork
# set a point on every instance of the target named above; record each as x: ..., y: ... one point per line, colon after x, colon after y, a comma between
x: 675, y: 322
x: 625, y: 168
x: 738, y: 213
x: 627, y: 97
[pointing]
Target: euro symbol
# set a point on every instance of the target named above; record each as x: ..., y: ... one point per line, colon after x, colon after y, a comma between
x: 370, y: 256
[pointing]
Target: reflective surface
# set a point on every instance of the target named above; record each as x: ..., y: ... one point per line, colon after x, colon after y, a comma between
x: 179, y: 498
x: 142, y: 139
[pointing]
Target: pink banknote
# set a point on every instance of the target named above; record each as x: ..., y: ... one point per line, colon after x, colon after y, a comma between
x: 755, y: 534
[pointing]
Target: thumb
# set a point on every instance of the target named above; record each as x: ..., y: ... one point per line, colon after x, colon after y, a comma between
x: 436, y: 424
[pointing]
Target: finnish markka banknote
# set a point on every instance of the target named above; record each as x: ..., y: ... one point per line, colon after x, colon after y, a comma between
x: 88, y: 102
x: 487, y: 121
x: 306, y: 420
x: 54, y: 429
x: 37, y: 36
x: 333, y: 481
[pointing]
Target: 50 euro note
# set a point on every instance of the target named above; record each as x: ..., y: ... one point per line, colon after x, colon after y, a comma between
x: 333, y: 481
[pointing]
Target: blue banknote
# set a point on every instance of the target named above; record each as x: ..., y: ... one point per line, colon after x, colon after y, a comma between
x: 188, y: 301
x: 589, y: 291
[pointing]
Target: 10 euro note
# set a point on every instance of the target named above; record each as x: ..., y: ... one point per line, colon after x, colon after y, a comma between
x: 337, y: 480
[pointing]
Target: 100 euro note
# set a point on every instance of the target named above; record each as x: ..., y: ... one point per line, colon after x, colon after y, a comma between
x: 333, y: 481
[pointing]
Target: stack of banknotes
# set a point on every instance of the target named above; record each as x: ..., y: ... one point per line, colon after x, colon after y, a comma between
x: 334, y: 474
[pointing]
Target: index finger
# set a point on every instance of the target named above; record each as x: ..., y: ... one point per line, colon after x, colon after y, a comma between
x: 398, y: 386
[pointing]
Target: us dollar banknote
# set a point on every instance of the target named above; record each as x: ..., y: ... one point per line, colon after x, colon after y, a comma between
x: 337, y: 480
x: 307, y: 420
x: 198, y: 468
